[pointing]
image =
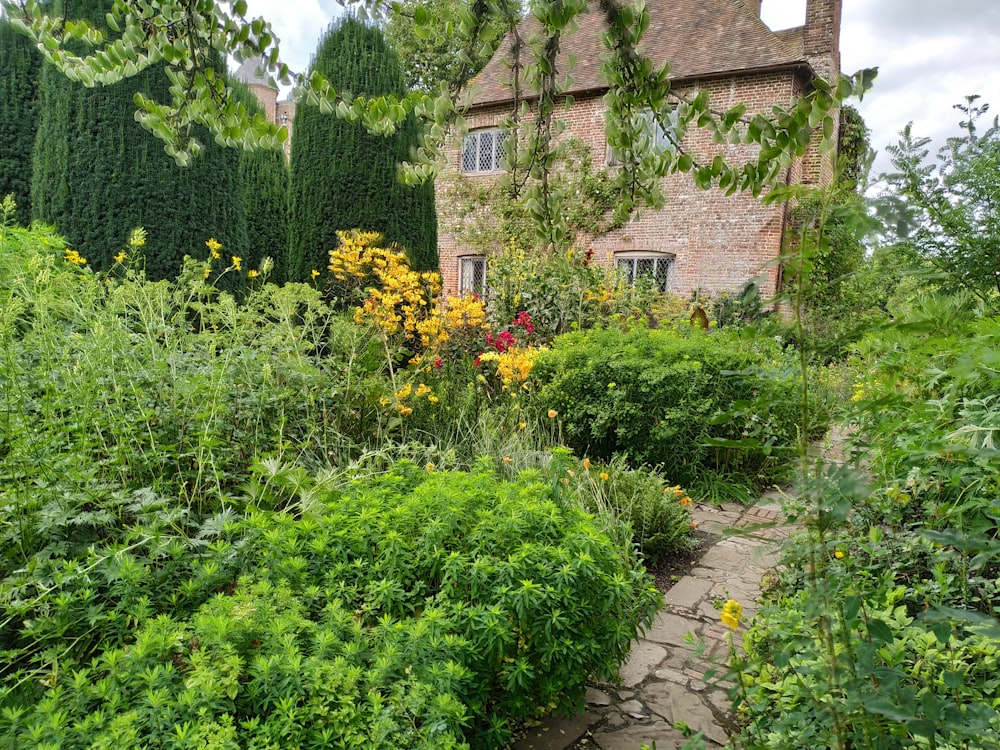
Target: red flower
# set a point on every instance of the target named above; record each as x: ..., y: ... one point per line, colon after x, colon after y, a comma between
x: 437, y: 363
x: 476, y: 362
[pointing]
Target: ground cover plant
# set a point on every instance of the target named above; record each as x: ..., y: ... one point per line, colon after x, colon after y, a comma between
x: 414, y: 609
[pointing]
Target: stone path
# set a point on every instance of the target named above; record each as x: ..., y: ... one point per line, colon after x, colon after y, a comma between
x: 663, y: 682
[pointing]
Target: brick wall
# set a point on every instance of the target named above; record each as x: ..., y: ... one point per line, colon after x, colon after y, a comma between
x: 718, y: 242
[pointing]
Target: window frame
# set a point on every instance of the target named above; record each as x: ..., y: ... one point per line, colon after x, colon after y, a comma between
x: 497, y: 153
x: 650, y: 130
x: 465, y: 261
x: 632, y: 258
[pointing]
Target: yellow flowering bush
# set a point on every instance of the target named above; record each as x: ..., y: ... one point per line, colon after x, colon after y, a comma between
x: 394, y: 297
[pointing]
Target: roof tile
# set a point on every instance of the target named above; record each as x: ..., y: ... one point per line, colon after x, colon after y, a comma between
x: 698, y: 38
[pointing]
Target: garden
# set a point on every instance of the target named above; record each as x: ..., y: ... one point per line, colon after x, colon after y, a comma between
x: 340, y: 514
x: 259, y: 502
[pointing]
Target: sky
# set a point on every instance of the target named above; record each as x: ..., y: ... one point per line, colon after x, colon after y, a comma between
x: 930, y: 55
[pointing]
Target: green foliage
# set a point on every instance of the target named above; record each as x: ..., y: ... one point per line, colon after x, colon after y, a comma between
x: 441, y: 45
x: 688, y: 404
x: 883, y: 629
x: 97, y: 188
x: 171, y: 386
x: 20, y: 66
x: 265, y: 183
x: 346, y: 177
x: 182, y: 565
x: 948, y: 211
x: 564, y: 291
x: 637, y: 504
x: 854, y: 154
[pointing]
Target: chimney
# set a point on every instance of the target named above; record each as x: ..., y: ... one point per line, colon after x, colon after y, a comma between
x: 821, y: 36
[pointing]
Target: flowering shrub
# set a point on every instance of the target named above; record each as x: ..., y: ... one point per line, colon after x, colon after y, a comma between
x: 566, y: 291
x: 392, y: 295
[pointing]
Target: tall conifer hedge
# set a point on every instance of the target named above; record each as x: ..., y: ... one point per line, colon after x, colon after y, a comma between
x: 20, y: 64
x: 98, y: 174
x: 264, y: 176
x: 344, y: 177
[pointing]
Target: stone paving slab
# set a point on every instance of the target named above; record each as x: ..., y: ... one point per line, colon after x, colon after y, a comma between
x: 663, y: 683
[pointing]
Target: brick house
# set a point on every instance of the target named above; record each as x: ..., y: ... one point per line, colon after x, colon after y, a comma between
x: 700, y: 240
x: 254, y: 74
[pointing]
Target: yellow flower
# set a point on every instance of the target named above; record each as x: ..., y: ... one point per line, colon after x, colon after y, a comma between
x: 433, y: 399
x: 553, y: 414
x: 429, y: 467
x: 406, y: 411
x: 252, y: 273
x: 423, y: 390
x: 208, y: 272
x: 314, y: 274
x: 236, y: 261
x: 586, y: 463
x: 522, y: 425
x: 839, y: 554
x: 604, y: 476
x: 508, y: 460
x: 120, y: 258
x: 214, y: 246
x: 72, y: 256
x: 137, y: 238
x: 731, y: 613
x: 685, y: 500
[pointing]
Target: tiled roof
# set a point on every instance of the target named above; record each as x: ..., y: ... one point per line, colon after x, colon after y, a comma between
x: 698, y: 38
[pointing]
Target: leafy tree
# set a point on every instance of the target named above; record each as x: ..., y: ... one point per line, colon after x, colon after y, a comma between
x: 344, y: 177
x: 432, y: 39
x: 949, y: 211
x: 98, y: 175
x: 19, y: 70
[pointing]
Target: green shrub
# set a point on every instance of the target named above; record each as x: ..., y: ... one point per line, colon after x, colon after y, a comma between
x: 688, y: 404
x: 172, y: 386
x: 414, y: 609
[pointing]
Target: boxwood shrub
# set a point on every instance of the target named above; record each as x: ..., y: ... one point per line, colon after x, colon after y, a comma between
x: 691, y: 404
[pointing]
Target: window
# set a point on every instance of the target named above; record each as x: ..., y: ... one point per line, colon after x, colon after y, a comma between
x: 651, y: 136
x: 472, y: 275
x: 484, y: 150
x: 649, y: 268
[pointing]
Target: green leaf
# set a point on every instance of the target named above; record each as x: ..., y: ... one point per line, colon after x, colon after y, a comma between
x: 879, y: 632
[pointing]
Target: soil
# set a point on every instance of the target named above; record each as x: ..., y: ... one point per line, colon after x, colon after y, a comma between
x: 670, y: 569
